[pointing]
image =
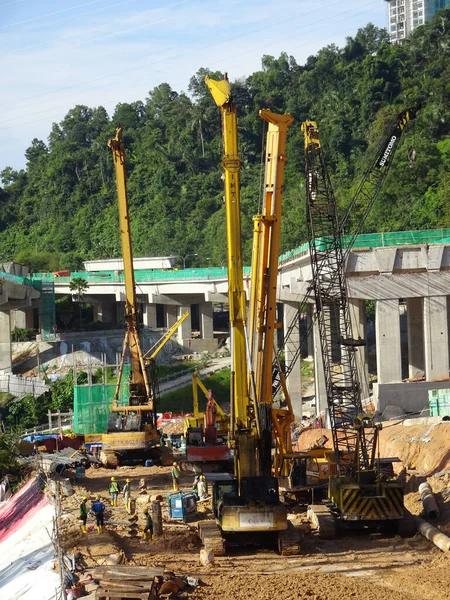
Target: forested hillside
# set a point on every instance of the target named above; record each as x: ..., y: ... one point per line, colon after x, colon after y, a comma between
x: 62, y: 208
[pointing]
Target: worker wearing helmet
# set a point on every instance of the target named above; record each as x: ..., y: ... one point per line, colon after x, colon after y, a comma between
x: 98, y: 508
x: 126, y: 494
x: 201, y: 488
x: 114, y: 490
x: 83, y: 514
x: 205, y: 482
x: 175, y: 477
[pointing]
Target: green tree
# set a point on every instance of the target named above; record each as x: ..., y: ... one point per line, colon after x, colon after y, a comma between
x: 79, y: 285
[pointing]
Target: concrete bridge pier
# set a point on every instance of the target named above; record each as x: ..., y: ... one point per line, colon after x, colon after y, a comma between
x: 358, y: 321
x: 435, y: 333
x: 5, y: 342
x: 416, y: 358
x: 319, y: 373
x: 206, y: 320
x: 294, y: 381
x: 387, y: 333
x: 149, y: 316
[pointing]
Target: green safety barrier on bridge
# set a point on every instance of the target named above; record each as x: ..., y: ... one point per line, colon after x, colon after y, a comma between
x: 92, y: 404
x: 379, y: 240
x: 366, y: 240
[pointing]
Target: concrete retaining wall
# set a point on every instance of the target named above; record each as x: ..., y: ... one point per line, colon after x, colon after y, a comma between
x: 412, y: 397
x: 21, y: 386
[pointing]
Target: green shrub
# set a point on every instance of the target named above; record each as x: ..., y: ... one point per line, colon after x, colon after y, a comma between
x: 20, y: 334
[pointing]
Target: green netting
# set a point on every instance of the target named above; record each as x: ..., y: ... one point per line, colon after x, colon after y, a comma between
x: 48, y: 309
x: 366, y: 240
x: 379, y: 240
x: 92, y: 404
x: 15, y: 278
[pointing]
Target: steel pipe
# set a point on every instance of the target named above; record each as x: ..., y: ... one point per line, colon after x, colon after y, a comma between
x: 431, y: 510
x: 433, y: 534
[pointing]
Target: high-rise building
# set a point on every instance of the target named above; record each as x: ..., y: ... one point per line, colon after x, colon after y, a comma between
x: 405, y: 15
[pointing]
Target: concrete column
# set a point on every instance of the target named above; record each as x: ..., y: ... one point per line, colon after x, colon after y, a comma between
x: 294, y: 381
x: 22, y: 319
x: 171, y: 316
x: 149, y: 314
x: 319, y: 374
x: 185, y: 329
x: 5, y: 343
x: 387, y: 332
x: 435, y: 332
x: 105, y: 311
x: 416, y: 357
x: 309, y: 320
x: 359, y: 330
x: 206, y: 320
x: 95, y: 313
x: 120, y: 313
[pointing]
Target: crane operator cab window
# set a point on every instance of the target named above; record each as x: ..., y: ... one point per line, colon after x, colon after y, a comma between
x: 132, y: 422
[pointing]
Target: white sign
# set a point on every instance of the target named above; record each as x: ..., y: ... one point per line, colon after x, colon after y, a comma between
x: 256, y: 519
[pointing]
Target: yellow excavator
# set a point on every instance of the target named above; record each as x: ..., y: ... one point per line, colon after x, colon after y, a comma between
x: 132, y: 434
x: 246, y: 505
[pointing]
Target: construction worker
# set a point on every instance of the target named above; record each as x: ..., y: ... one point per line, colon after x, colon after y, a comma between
x: 195, y: 485
x: 176, y: 477
x: 201, y: 488
x: 148, y: 531
x: 83, y: 514
x: 114, y: 490
x: 126, y: 494
x: 98, y: 508
x: 205, y: 483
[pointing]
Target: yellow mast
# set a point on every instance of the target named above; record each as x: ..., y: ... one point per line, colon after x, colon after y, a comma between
x: 243, y: 417
x: 139, y: 384
x: 264, y: 276
x: 266, y: 246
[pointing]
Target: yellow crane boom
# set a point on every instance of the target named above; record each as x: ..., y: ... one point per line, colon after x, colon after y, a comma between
x: 140, y: 392
x: 159, y: 345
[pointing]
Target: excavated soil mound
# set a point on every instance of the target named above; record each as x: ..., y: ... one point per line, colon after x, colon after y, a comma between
x: 294, y: 586
x: 96, y: 549
x: 429, y: 581
x: 424, y: 447
x: 176, y: 541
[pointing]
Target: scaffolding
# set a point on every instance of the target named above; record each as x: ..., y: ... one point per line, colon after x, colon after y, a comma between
x: 48, y: 309
x: 93, y: 402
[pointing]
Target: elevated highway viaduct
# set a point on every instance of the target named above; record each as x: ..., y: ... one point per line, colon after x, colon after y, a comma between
x: 403, y: 278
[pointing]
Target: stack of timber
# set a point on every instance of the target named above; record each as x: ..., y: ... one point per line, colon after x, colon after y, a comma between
x: 119, y: 582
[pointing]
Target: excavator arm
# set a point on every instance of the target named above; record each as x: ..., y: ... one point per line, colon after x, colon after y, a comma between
x: 151, y: 354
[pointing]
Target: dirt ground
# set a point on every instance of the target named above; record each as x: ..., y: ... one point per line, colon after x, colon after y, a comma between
x: 369, y: 566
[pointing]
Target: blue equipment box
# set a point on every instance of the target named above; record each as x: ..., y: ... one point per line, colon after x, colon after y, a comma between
x: 181, y: 505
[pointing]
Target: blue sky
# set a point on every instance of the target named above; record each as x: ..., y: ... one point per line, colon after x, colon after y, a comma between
x: 59, y: 53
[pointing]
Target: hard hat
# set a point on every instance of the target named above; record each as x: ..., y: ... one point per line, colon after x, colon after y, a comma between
x: 113, y: 478
x: 85, y: 498
x: 98, y: 498
x: 175, y: 464
x: 146, y: 511
x: 202, y: 477
x: 127, y: 480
